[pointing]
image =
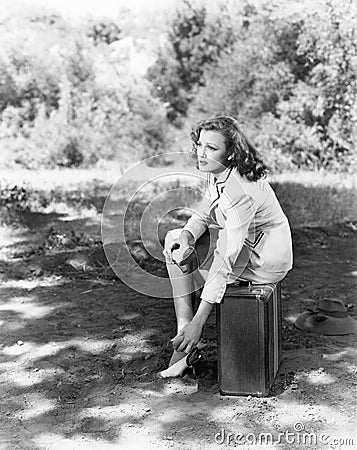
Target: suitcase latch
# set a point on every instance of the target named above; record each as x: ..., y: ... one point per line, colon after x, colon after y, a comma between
x: 258, y: 292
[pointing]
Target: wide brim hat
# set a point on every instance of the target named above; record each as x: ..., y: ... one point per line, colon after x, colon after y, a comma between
x: 329, y: 318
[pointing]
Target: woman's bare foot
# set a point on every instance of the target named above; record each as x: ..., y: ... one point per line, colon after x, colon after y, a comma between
x: 175, y: 370
x: 178, y: 363
x: 176, y: 356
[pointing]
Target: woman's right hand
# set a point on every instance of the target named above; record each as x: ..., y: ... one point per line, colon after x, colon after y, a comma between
x: 182, y: 254
x: 170, y: 247
x: 183, y: 242
x: 174, y: 244
x: 177, y: 247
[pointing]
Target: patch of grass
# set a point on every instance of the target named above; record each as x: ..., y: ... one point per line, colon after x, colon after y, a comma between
x: 308, y: 198
x: 313, y: 198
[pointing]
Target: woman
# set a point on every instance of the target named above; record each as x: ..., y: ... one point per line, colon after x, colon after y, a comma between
x: 249, y: 234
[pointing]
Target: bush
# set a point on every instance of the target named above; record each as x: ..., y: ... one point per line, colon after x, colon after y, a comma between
x: 195, y: 41
x: 13, y: 199
x: 103, y: 31
x: 291, y: 82
x: 67, y: 106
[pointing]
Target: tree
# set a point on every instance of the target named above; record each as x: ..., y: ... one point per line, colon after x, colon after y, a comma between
x: 62, y: 102
x: 104, y: 31
x: 291, y: 82
x: 194, y: 42
x: 329, y: 41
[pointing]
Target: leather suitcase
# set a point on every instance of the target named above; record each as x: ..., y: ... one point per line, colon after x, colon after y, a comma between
x: 249, y: 338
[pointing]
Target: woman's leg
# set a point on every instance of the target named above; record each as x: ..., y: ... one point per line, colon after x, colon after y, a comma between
x: 183, y: 287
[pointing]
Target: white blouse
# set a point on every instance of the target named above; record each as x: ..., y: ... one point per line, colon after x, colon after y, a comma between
x: 254, y: 238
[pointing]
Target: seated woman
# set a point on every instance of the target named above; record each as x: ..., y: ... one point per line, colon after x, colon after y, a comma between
x: 249, y: 234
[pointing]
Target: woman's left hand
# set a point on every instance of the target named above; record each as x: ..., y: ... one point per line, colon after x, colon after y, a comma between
x: 188, y: 337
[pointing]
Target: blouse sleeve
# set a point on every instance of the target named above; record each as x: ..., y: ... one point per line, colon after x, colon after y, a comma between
x: 239, y: 216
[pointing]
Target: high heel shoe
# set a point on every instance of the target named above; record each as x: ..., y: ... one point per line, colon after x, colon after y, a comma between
x: 192, y: 359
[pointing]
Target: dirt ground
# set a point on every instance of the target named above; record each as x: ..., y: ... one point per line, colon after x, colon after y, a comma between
x: 80, y: 350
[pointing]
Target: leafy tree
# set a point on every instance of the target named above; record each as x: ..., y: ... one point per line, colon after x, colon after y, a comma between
x: 329, y: 41
x: 195, y: 41
x: 291, y: 82
x: 25, y: 82
x: 318, y: 117
x: 64, y: 104
x: 104, y: 31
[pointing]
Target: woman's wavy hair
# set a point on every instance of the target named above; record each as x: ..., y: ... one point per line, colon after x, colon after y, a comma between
x: 244, y: 155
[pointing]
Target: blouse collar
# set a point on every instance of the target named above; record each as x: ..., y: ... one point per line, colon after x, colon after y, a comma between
x: 222, y: 176
x: 218, y: 185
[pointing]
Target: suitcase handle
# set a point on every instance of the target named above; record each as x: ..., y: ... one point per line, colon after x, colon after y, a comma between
x: 246, y: 283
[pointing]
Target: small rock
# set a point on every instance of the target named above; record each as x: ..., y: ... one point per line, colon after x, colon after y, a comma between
x: 80, y: 262
x: 20, y: 342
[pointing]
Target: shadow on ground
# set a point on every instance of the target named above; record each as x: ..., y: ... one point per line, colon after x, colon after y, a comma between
x: 80, y: 351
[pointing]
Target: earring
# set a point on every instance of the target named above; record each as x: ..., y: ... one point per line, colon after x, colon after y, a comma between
x: 230, y: 157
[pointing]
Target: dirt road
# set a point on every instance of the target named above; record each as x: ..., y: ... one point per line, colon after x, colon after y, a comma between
x: 79, y: 353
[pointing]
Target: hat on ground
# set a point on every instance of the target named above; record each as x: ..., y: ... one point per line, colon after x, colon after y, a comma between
x: 330, y: 318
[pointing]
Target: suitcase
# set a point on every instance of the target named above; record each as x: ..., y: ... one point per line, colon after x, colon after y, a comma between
x: 249, y: 338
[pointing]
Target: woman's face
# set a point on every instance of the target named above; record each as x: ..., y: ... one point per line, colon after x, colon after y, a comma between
x: 211, y: 151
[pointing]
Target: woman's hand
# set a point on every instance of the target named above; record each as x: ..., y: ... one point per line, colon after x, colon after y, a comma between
x: 188, y: 337
x: 181, y: 246
x: 175, y: 250
x: 174, y: 244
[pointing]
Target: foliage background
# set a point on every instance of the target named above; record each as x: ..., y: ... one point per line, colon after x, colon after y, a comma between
x: 285, y: 70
